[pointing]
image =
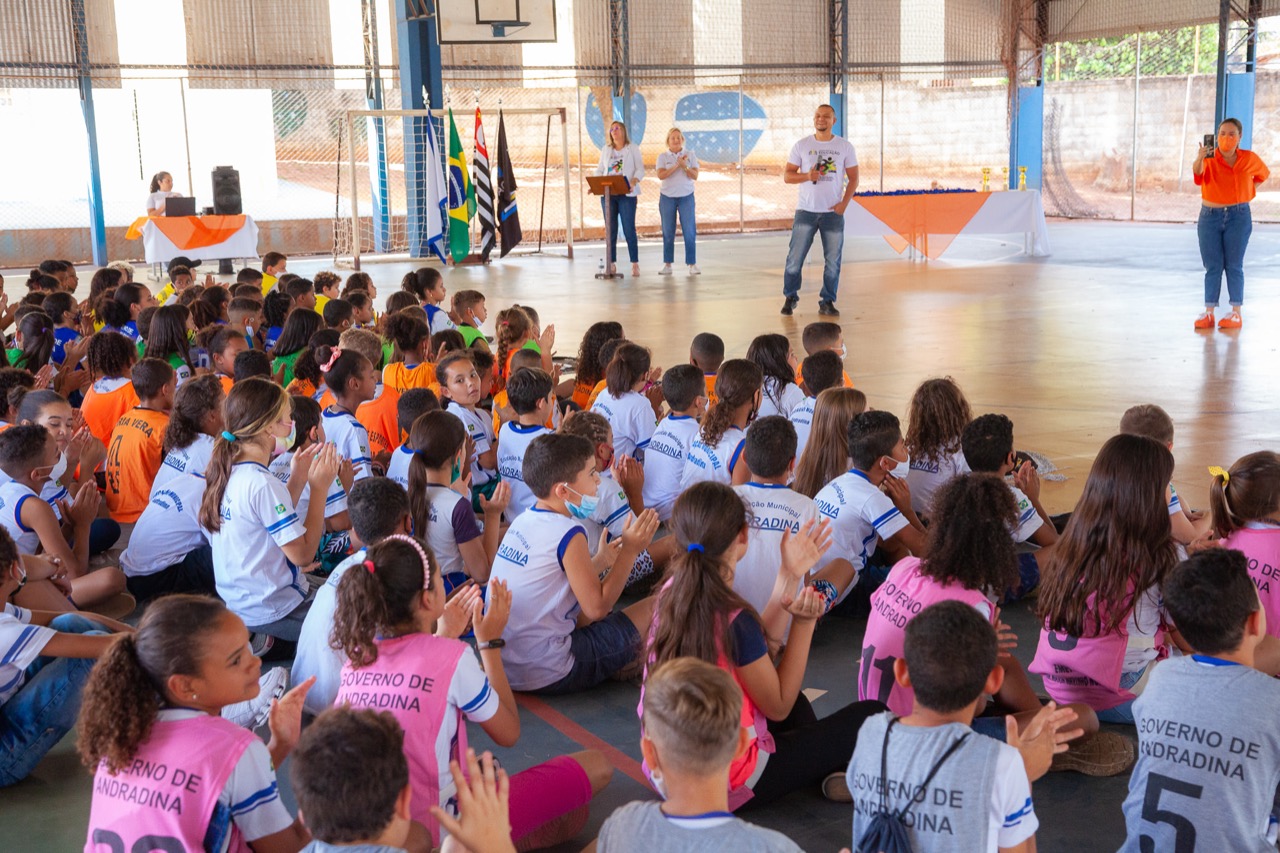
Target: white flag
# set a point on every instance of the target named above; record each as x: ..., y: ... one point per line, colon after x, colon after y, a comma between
x: 437, y: 197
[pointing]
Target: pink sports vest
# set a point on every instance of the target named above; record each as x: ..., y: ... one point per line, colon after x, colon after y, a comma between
x: 903, y: 594
x: 1262, y: 548
x: 411, y: 679
x: 744, y: 771
x: 168, y: 794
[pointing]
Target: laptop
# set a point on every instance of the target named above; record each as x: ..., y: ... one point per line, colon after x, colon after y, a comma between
x: 180, y: 206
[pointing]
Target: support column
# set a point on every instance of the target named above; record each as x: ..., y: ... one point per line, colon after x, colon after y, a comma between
x: 376, y: 130
x: 420, y: 73
x: 1026, y: 130
x: 620, y: 59
x: 838, y: 72
x: 1220, y: 87
x: 97, y: 216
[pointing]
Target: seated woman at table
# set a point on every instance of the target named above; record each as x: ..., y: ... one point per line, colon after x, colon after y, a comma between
x: 161, y: 189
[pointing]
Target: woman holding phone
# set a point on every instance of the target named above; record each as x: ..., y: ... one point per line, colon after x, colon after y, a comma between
x: 1228, y: 177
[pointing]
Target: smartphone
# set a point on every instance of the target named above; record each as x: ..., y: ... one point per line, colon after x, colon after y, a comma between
x: 1020, y: 458
x: 1210, y: 143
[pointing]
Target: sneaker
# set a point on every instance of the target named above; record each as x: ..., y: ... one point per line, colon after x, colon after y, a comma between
x: 693, y: 270
x: 1099, y: 754
x: 836, y: 789
x: 1231, y: 321
x: 666, y: 270
x: 255, y: 713
x: 260, y: 644
x: 789, y: 305
x: 1205, y: 320
x: 828, y: 309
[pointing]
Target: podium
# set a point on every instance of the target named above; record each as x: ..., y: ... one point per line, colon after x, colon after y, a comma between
x: 608, y: 186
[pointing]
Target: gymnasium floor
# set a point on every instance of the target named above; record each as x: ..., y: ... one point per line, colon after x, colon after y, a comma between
x: 1061, y: 344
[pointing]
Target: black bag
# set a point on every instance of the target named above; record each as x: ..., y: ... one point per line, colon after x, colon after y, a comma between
x: 887, y: 833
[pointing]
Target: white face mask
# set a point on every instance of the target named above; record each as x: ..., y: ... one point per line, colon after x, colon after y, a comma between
x: 659, y: 784
x: 844, y: 352
x: 900, y: 469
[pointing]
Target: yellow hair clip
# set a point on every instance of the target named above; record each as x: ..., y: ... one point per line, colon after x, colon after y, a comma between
x: 1220, y: 472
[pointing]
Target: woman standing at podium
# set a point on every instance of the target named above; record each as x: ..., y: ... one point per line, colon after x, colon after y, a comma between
x: 620, y: 156
x: 161, y: 190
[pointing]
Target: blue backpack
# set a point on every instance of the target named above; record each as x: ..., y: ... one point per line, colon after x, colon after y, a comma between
x: 887, y: 832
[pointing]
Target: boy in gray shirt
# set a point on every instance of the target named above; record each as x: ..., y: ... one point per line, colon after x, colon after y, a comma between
x: 692, y: 730
x: 1208, y: 734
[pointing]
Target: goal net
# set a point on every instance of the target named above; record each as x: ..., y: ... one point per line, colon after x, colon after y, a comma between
x: 380, y: 210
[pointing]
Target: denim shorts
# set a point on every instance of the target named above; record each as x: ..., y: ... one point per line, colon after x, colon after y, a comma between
x: 599, y: 650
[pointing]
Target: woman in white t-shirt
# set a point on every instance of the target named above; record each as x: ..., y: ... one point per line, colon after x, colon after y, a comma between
x: 161, y: 189
x: 678, y: 169
x: 620, y: 156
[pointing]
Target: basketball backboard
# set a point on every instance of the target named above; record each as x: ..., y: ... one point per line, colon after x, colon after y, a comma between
x: 496, y: 21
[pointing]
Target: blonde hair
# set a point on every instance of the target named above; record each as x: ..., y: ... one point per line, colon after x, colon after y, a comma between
x: 692, y: 711
x: 674, y: 130
x: 363, y: 341
x: 626, y: 137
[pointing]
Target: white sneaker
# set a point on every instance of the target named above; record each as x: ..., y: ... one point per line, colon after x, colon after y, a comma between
x: 693, y: 270
x: 253, y: 713
x: 666, y: 270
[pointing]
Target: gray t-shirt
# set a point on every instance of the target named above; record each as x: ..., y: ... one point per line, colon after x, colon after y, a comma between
x: 643, y: 827
x: 1207, y: 770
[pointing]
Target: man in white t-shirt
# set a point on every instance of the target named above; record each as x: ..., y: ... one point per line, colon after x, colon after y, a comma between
x: 820, y: 164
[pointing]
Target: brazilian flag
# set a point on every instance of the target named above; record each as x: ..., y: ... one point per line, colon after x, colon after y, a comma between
x: 462, y: 197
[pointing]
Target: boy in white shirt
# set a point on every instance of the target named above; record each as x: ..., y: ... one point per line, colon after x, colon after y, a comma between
x: 684, y: 389
x: 818, y: 372
x: 531, y: 394
x: 1154, y: 422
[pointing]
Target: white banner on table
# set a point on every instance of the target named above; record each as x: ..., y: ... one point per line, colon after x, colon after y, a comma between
x: 1011, y: 212
x: 159, y: 249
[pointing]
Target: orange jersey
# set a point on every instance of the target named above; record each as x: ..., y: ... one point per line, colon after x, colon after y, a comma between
x: 401, y: 378
x: 326, y: 399
x: 380, y: 418
x: 133, y: 458
x: 1238, y: 184
x: 595, y: 392
x: 302, y: 388
x: 104, y: 404
x: 710, y: 379
x: 582, y: 394
x: 227, y: 382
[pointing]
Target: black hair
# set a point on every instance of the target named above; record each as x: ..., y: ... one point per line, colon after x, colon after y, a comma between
x: 528, y: 387
x: 149, y: 377
x: 555, y: 458
x: 336, y: 311
x: 822, y: 370
x: 950, y: 651
x: 344, y: 368
x: 275, y: 308
x: 450, y: 339
x: 681, y: 385
x: 306, y: 417
x: 377, y: 507
x: 413, y: 404
x: 820, y: 335
x: 57, y: 304
x: 12, y: 380
x: 297, y: 331
x: 628, y: 366
x: 192, y: 403
x: 249, y: 275
x: 251, y: 362
x: 110, y: 354
x: 771, y: 446
x: 419, y: 281
x: 407, y: 331
x: 872, y: 435
x: 167, y: 334
x: 40, y: 280
x: 707, y: 350
x: 987, y: 441
x: 21, y: 447
x: 402, y: 300
x: 358, y: 299
x: 1209, y: 596
x: 31, y: 403
x: 307, y: 365
x: 298, y: 287
x: 38, y: 341
x: 216, y: 339
x: 769, y: 352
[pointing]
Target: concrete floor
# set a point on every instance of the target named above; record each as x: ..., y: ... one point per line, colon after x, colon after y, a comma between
x: 1061, y: 344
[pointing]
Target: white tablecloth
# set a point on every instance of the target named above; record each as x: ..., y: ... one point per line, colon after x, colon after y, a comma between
x: 1011, y: 212
x: 159, y: 249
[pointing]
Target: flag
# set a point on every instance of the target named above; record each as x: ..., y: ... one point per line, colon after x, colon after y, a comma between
x: 484, y: 191
x: 462, y: 197
x: 508, y: 215
x: 437, y: 195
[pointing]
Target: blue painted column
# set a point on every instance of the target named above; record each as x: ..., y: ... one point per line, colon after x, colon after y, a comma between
x: 1026, y: 137
x: 419, y: 70
x: 376, y: 132
x: 1239, y: 104
x: 97, y: 215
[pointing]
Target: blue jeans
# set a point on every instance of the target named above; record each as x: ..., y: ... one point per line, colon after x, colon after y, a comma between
x: 45, y: 708
x: 103, y: 533
x: 668, y: 207
x: 1224, y: 235
x: 803, y: 230
x: 624, y: 213
x: 1123, y: 713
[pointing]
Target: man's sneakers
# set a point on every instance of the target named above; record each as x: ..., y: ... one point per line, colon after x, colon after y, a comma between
x: 255, y: 712
x: 828, y: 309
x: 1231, y: 321
x: 789, y: 305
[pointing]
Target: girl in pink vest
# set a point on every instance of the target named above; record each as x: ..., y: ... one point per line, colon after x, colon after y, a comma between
x: 1104, y: 624
x: 1245, y: 503
x: 167, y: 767
x: 698, y: 614
x: 387, y: 609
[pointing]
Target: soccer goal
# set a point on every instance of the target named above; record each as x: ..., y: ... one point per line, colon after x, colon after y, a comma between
x: 372, y: 219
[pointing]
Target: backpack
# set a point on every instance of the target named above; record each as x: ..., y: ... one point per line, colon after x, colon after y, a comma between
x: 887, y: 832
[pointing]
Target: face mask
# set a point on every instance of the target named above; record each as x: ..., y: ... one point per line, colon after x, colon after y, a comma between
x: 283, y: 444
x: 59, y: 468
x: 659, y: 784
x: 900, y: 469
x: 585, y: 506
x: 455, y: 472
x: 844, y: 351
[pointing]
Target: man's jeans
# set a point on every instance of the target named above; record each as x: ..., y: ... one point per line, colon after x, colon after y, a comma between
x: 45, y: 708
x: 1224, y: 235
x: 806, y: 225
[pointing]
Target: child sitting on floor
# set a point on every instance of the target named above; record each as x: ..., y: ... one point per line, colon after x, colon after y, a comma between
x: 136, y: 449
x: 936, y: 420
x: 194, y: 420
x: 825, y: 335
x: 623, y: 402
x: 685, y: 394
x: 715, y: 453
x: 411, y: 405
x: 1154, y: 422
x: 532, y: 397
x: 822, y: 370
x: 706, y: 352
x: 1245, y: 502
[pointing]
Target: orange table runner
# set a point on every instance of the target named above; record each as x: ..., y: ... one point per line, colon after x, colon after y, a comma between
x: 190, y: 232
x: 917, y: 217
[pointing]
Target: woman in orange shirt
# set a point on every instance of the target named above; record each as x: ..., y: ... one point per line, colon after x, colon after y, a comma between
x: 1228, y: 180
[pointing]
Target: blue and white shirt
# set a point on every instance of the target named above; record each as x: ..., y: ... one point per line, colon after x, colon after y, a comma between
x: 21, y: 643
x: 632, y: 419
x: 513, y: 440
x: 664, y: 462
x: 859, y: 512
x: 715, y: 463
x: 351, y: 438
x: 168, y: 529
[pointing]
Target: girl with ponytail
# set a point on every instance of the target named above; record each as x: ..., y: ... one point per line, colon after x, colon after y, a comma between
x: 715, y: 454
x: 153, y: 723
x: 427, y: 284
x: 624, y: 401
x: 352, y: 380
x: 387, y: 607
x: 697, y: 614
x: 257, y: 537
x: 1245, y: 506
x: 412, y: 337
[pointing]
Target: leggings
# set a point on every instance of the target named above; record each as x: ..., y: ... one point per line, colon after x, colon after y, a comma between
x: 808, y: 749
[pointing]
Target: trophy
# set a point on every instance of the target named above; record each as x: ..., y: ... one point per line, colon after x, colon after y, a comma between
x: 986, y: 179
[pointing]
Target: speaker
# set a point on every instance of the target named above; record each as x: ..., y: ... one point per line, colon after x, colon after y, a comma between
x: 226, y: 191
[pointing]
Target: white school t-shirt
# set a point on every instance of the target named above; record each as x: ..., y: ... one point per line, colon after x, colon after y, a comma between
x: 513, y: 440
x: 1029, y: 521
x: 155, y: 198
x: 927, y: 476
x: 632, y: 419
x: 779, y: 401
x: 351, y: 438
x: 704, y: 462
x: 192, y: 459
x: 774, y: 509
x: 664, y: 462
x: 335, y: 501
x: 398, y: 467
x: 859, y: 512
x: 678, y: 184
x: 168, y: 529
x: 611, y: 512
x: 831, y: 158
x: 21, y: 642
x: 12, y: 496
x: 450, y: 522
x: 251, y: 573
x: 479, y: 425
x: 314, y: 655
x: 544, y: 609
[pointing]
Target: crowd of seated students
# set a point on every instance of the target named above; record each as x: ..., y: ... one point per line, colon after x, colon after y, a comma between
x: 410, y: 526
